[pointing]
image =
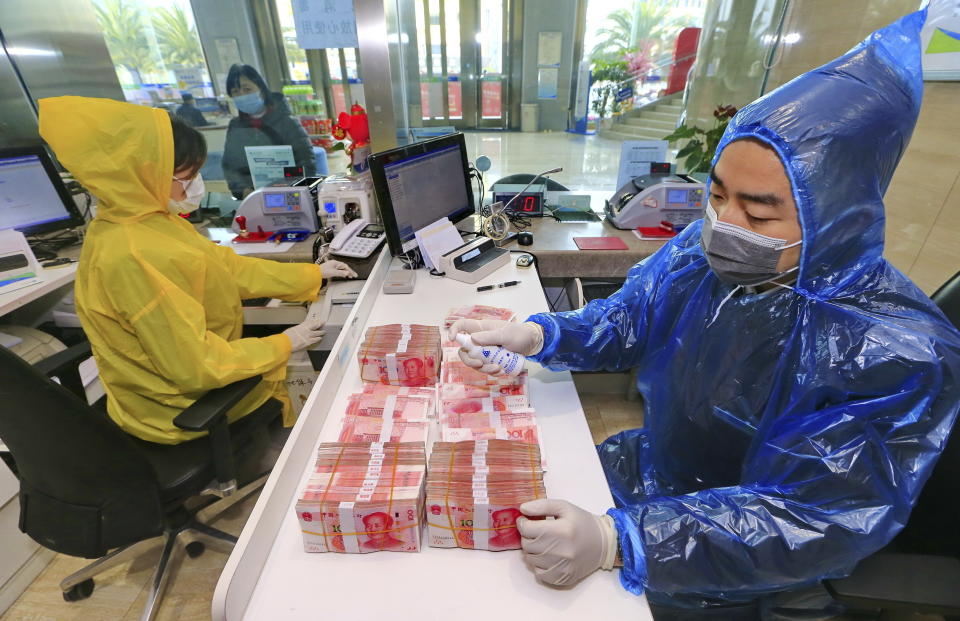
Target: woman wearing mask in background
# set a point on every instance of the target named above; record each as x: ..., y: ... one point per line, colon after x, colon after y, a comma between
x: 264, y: 121
x: 159, y: 302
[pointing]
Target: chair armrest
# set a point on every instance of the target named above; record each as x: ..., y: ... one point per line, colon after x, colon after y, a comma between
x: 203, y: 414
x: 912, y: 582
x: 209, y: 413
x: 65, y: 366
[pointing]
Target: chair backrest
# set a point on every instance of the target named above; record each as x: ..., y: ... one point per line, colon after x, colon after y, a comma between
x: 525, y: 178
x: 934, y: 526
x: 947, y: 297
x: 84, y: 488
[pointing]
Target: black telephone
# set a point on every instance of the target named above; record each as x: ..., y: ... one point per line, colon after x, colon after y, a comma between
x: 325, y: 236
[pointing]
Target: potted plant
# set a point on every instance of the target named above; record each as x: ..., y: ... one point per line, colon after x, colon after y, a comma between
x: 702, y: 143
x: 607, y: 75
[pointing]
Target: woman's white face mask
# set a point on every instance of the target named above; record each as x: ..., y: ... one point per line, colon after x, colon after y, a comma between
x: 194, y: 191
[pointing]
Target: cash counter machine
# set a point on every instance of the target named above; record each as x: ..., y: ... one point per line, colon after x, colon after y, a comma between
x: 307, y: 204
x: 653, y: 199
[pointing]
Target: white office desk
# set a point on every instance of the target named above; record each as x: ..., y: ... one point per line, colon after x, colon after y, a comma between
x: 269, y: 576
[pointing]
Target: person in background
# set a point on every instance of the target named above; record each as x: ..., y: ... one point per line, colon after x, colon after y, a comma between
x: 189, y: 113
x: 264, y: 121
x: 159, y: 302
x: 798, y: 390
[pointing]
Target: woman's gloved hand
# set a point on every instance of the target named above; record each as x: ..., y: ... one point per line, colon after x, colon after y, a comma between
x: 305, y: 334
x: 524, y: 338
x: 336, y: 269
x: 567, y: 549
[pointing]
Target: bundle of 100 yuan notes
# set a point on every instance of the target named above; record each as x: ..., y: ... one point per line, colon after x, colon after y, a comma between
x: 383, y: 413
x: 474, y: 492
x: 364, y: 497
x: 400, y: 355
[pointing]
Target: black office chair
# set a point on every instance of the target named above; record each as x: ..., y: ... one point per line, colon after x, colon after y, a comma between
x: 525, y: 178
x: 87, y: 487
x: 947, y: 298
x: 920, y: 570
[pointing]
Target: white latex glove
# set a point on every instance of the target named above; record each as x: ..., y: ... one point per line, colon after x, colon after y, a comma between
x: 523, y: 338
x: 305, y: 334
x: 336, y: 269
x: 565, y: 550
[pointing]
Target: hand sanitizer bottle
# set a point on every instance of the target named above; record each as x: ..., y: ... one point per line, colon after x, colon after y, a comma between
x: 511, y: 363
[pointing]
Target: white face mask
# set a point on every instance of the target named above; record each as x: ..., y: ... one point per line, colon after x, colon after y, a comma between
x: 194, y: 190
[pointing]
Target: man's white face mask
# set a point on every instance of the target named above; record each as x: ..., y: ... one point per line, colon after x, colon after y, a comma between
x: 194, y: 190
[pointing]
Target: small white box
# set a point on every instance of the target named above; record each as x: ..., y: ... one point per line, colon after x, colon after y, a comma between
x: 399, y: 281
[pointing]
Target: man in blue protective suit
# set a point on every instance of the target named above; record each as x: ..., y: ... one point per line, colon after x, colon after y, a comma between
x: 798, y: 389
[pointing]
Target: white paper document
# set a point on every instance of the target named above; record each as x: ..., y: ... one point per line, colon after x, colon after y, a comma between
x: 437, y: 239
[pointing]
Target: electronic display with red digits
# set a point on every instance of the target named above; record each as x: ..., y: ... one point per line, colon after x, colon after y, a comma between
x: 529, y: 203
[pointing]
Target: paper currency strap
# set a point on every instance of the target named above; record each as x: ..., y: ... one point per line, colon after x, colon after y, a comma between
x: 374, y: 473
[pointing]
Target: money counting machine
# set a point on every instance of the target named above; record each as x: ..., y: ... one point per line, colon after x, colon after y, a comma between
x: 649, y: 200
x: 283, y: 205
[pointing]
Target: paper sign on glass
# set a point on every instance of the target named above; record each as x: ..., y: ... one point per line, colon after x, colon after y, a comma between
x: 635, y: 158
x: 325, y: 23
x: 267, y: 163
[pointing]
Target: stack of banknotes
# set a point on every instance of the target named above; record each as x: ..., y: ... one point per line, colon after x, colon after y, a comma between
x: 383, y: 413
x: 475, y: 489
x: 487, y: 413
x: 477, y: 311
x: 478, y: 406
x: 400, y: 355
x: 364, y: 497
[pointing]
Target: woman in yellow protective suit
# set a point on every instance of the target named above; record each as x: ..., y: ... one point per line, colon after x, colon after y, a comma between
x: 159, y: 302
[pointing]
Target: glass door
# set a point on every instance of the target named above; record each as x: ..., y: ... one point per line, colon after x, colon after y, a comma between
x: 490, y: 38
x: 460, y: 59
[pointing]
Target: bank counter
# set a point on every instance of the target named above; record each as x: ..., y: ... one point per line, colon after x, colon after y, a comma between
x: 268, y: 574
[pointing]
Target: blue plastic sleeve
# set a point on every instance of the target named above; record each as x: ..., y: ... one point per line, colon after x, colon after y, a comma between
x: 633, y: 575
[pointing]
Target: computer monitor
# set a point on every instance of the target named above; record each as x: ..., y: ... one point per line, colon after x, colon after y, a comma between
x: 421, y: 183
x: 33, y: 198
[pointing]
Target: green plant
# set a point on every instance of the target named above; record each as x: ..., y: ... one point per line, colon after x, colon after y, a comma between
x: 648, y: 21
x: 123, y: 32
x: 295, y: 53
x: 607, y: 76
x: 702, y: 142
x: 178, y: 39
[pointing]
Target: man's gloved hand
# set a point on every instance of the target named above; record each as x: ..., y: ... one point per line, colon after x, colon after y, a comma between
x: 305, y: 334
x: 523, y: 338
x: 567, y: 549
x: 336, y: 269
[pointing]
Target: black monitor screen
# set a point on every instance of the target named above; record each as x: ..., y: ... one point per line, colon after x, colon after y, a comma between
x: 32, y: 196
x: 418, y: 184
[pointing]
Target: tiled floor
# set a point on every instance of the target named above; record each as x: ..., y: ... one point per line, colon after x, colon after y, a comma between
x: 121, y: 592
x: 588, y: 162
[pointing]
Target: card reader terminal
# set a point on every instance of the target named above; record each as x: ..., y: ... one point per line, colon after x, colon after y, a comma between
x: 474, y: 260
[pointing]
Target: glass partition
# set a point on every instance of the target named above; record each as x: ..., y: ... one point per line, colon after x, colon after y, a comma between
x: 155, y: 49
